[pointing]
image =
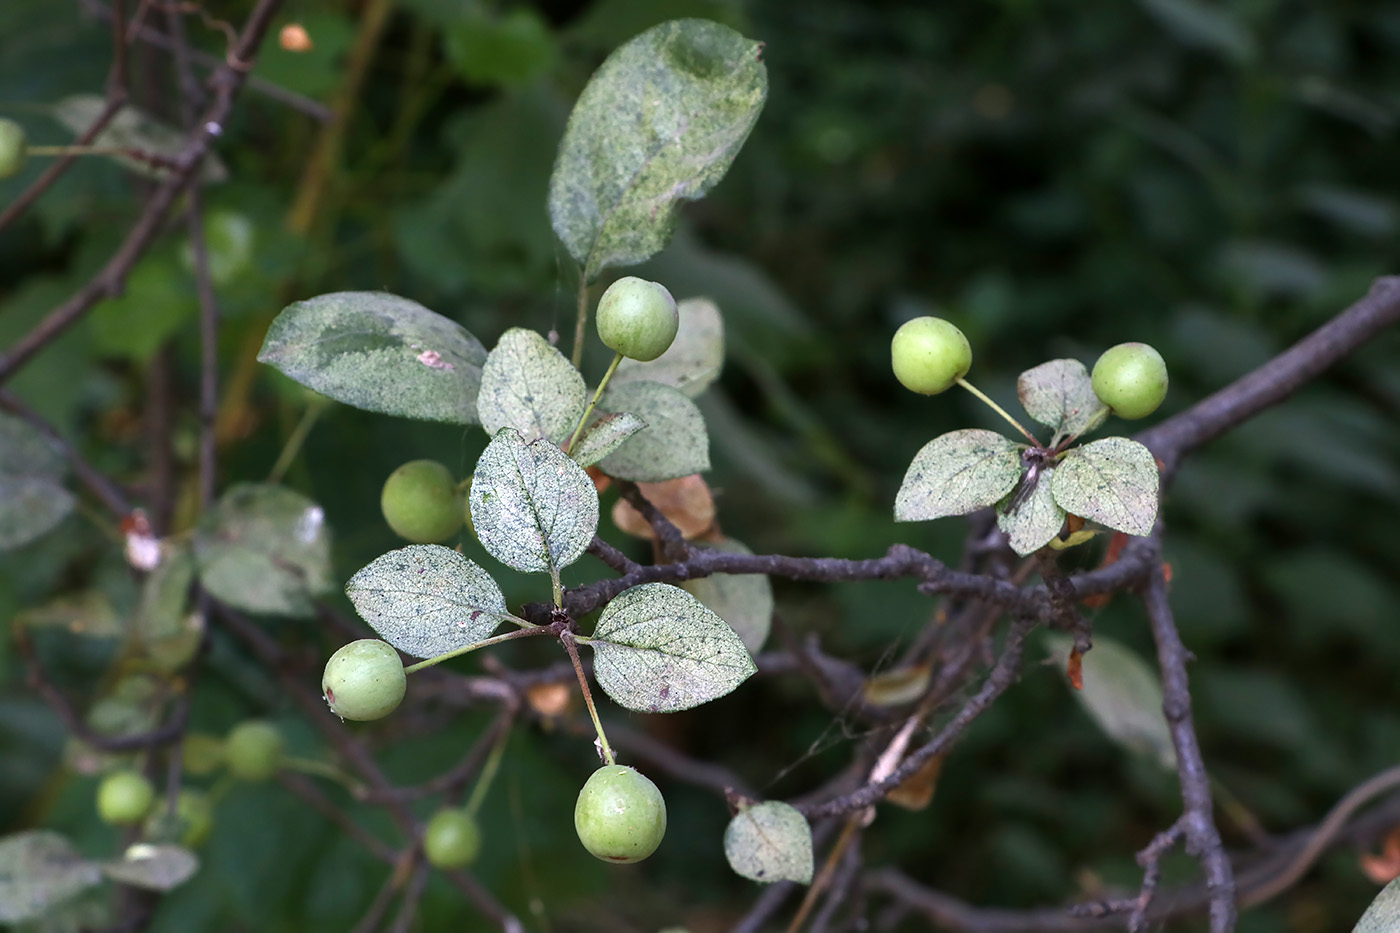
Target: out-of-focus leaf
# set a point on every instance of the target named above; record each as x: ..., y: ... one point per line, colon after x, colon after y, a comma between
x: 1383, y: 916
x: 770, y: 841
x: 694, y: 359
x: 604, y: 435
x: 85, y: 612
x: 132, y: 129
x: 674, y: 442
x: 32, y: 501
x: 40, y: 870
x: 1204, y: 24
x: 156, y: 304
x: 745, y: 600
x: 505, y: 49
x: 153, y: 867
x: 1122, y: 694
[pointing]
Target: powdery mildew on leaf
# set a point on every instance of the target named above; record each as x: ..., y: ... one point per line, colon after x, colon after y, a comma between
x: 38, y: 870
x: 133, y: 129
x: 1113, y: 482
x: 528, y: 385
x: 32, y: 499
x: 957, y: 473
x: 694, y: 359
x: 427, y: 600
x: 657, y: 649
x: 674, y: 442
x: 1039, y: 519
x: 1383, y: 916
x: 533, y: 508
x: 604, y: 435
x: 1060, y: 393
x: 769, y: 842
x: 1122, y: 694
x: 744, y: 600
x: 153, y: 867
x: 660, y: 121
x: 379, y: 352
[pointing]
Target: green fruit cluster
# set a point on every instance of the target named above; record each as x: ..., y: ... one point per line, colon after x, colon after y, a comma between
x: 1131, y: 379
x: 637, y: 318
x: 929, y: 355
x: 620, y: 815
x: 364, y: 680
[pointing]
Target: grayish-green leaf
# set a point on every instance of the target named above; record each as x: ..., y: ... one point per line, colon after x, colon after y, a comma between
x: 165, y: 594
x: 674, y: 442
x: 1038, y: 519
x: 660, y: 122
x: 264, y: 549
x: 1383, y: 916
x: 83, y: 612
x: 1061, y: 394
x: 1207, y: 25
x: 957, y: 473
x: 769, y: 842
x: 657, y: 649
x: 604, y: 435
x: 427, y: 600
x: 40, y: 869
x: 1122, y: 694
x: 153, y: 867
x: 533, y: 508
x: 1113, y: 482
x: 132, y: 129
x: 528, y: 385
x: 379, y: 352
x: 32, y: 501
x: 744, y: 600
x: 694, y: 359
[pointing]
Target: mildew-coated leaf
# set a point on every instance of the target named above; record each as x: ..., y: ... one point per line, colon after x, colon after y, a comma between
x: 1122, y: 694
x: 957, y: 473
x: 674, y: 442
x: 133, y: 129
x: 32, y: 499
x: 427, y: 600
x: 657, y: 649
x: 659, y: 122
x: 264, y: 549
x: 1061, y: 394
x: 693, y: 360
x: 165, y: 594
x: 1113, y: 482
x: 528, y: 385
x: 744, y: 600
x: 153, y: 867
x: 1383, y: 916
x: 769, y: 842
x: 534, y: 509
x: 379, y: 352
x: 604, y: 435
x: 40, y: 869
x: 1038, y: 519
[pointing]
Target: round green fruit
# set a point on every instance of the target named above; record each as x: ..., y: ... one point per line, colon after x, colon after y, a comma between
x: 124, y: 797
x: 421, y: 502
x: 364, y: 680
x: 14, y: 148
x: 638, y: 318
x: 451, y: 839
x: 254, y: 750
x: 1131, y: 379
x: 620, y: 815
x: 929, y: 355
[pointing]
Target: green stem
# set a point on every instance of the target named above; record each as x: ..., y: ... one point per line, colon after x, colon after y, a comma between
x: 558, y: 585
x: 80, y: 150
x: 998, y: 409
x: 612, y: 368
x: 495, y: 640
x: 581, y: 322
x: 568, y: 639
x: 488, y: 773
x: 296, y: 440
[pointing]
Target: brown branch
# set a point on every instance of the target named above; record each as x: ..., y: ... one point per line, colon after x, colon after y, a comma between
x: 106, y: 491
x: 670, y: 541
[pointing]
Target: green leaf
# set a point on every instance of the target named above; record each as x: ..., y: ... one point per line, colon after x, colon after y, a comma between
x: 153, y: 867
x: 957, y: 473
x: 674, y: 442
x: 133, y: 129
x: 427, y: 600
x: 32, y: 501
x: 533, y: 508
x: 604, y: 436
x: 744, y: 600
x: 379, y: 352
x: 660, y: 121
x: 1204, y: 25
x: 769, y: 842
x: 1061, y: 394
x: 165, y: 595
x: 39, y: 870
x: 264, y: 549
x: 1122, y: 694
x: 83, y: 612
x: 693, y: 361
x: 657, y: 649
x: 1112, y: 481
x: 528, y: 385
x: 506, y: 50
x: 153, y: 308
x: 1030, y: 527
x: 1383, y: 916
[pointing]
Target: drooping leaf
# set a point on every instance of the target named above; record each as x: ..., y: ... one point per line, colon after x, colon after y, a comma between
x: 534, y: 509
x: 379, y: 352
x: 32, y: 499
x: 1113, y: 481
x: 133, y: 129
x: 693, y: 361
x: 657, y: 649
x: 153, y: 867
x: 674, y: 442
x: 1122, y: 695
x: 264, y: 549
x: 426, y: 599
x: 770, y: 841
x: 687, y: 503
x: 604, y: 435
x: 1061, y: 394
x: 1383, y: 916
x: 84, y: 612
x: 528, y: 385
x: 745, y: 600
x: 660, y: 122
x: 40, y: 869
x: 165, y: 594
x: 957, y: 473
x: 1030, y: 527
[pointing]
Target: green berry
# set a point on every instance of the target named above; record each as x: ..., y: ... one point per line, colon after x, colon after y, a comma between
x: 1131, y: 379
x: 637, y: 318
x: 254, y: 750
x: 202, y: 753
x: 364, y: 680
x: 13, y: 148
x: 929, y: 355
x: 124, y: 797
x: 620, y: 815
x: 451, y: 839
x: 422, y: 503
x: 192, y: 824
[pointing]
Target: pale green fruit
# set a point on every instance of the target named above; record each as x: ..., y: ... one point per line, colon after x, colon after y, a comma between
x: 929, y: 355
x: 422, y: 503
x: 254, y: 750
x: 364, y: 680
x: 451, y: 839
x: 124, y: 797
x: 620, y: 815
x: 1131, y: 379
x: 638, y: 318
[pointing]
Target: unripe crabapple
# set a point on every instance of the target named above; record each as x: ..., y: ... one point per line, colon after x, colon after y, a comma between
x: 1131, y: 379
x: 422, y: 503
x: 14, y: 147
x: 638, y: 318
x: 364, y: 680
x: 929, y: 355
x: 451, y: 839
x: 124, y: 797
x: 620, y: 815
x: 254, y: 750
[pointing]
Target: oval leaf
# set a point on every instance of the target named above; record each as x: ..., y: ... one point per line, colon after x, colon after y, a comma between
x: 427, y: 600
x: 744, y: 600
x: 38, y: 870
x: 528, y: 385
x: 264, y: 549
x: 132, y: 129
x: 657, y: 649
x: 674, y: 442
x: 694, y: 359
x: 659, y: 122
x: 1122, y: 694
x: 1030, y: 527
x: 153, y: 867
x: 1112, y: 481
x: 533, y: 508
x: 1061, y: 394
x: 957, y: 473
x: 1383, y: 916
x: 768, y: 842
x: 84, y: 612
x: 32, y: 499
x: 379, y: 352
x: 604, y: 436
